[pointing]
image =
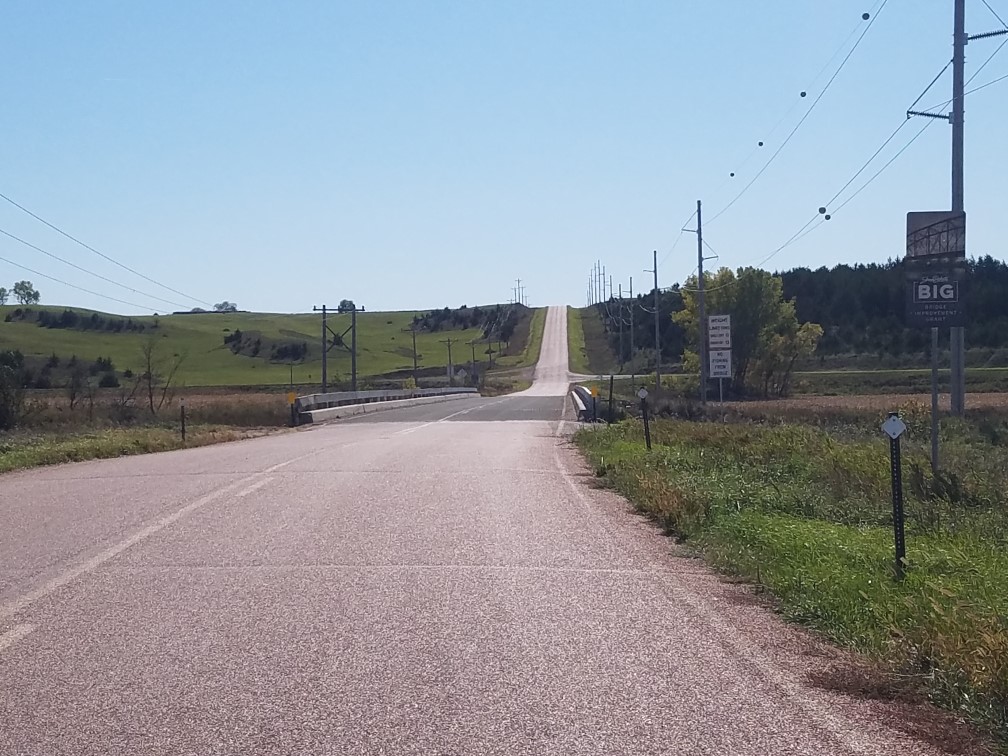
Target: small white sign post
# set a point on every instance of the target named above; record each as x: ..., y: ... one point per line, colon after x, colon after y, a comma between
x: 719, y: 351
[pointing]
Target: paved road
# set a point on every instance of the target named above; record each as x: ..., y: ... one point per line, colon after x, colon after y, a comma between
x: 439, y: 580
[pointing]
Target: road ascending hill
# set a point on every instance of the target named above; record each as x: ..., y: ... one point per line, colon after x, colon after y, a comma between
x: 432, y: 580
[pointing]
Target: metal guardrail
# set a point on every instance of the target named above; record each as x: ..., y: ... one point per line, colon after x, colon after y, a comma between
x: 313, y: 402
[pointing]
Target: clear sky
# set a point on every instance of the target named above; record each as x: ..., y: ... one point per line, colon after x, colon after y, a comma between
x: 411, y: 155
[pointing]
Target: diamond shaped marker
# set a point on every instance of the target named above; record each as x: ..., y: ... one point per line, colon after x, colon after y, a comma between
x: 894, y: 427
x: 642, y: 393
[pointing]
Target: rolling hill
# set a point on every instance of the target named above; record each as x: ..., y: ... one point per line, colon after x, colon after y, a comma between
x: 244, y: 348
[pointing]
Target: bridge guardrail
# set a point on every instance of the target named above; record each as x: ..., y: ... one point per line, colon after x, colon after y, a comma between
x: 329, y: 400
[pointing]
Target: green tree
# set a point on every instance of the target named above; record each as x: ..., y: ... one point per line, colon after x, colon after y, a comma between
x: 346, y: 305
x: 25, y: 293
x: 764, y: 325
x: 4, y: 295
x: 11, y: 388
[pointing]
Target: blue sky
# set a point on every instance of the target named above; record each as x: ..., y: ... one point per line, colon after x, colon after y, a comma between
x: 413, y: 155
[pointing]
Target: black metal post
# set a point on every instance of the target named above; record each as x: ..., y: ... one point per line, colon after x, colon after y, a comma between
x: 897, y: 502
x: 647, y: 423
x: 183, y: 422
x: 611, y: 414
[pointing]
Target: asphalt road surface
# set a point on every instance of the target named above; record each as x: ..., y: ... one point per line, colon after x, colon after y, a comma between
x: 435, y: 580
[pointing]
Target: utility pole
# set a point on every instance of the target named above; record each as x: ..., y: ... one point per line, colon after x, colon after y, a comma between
x: 600, y: 292
x: 631, y: 319
x: 703, y: 307
x: 353, y: 349
x: 325, y: 350
x: 957, y: 345
x: 620, y: 326
x: 657, y: 334
x: 326, y: 346
x: 451, y: 365
x: 412, y: 330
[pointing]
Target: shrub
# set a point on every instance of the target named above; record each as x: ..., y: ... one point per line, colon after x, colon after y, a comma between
x: 11, y: 390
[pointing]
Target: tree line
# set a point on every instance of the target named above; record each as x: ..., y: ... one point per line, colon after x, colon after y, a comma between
x: 780, y: 319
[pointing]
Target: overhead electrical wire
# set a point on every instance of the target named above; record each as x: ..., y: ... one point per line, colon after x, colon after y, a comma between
x: 995, y: 13
x: 28, y: 244
x: 682, y: 230
x: 73, y: 286
x: 811, y: 225
x: 794, y: 106
x: 802, y: 120
x: 101, y: 254
x: 984, y: 86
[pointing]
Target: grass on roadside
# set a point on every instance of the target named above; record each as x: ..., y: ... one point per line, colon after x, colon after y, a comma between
x: 577, y: 357
x: 526, y: 341
x: 805, y: 511
x: 22, y: 451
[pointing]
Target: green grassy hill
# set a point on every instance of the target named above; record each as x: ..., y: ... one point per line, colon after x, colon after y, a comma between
x: 384, y: 344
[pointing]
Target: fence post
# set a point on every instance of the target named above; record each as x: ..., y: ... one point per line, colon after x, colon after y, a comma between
x: 182, y: 410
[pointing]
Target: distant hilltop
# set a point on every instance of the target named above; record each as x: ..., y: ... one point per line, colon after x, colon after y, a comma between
x: 201, y: 311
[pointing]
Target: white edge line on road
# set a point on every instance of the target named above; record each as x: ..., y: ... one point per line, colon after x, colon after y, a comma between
x: 12, y: 636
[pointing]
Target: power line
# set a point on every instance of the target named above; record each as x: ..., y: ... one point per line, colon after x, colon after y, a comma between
x: 794, y: 105
x: 891, y: 160
x: 984, y: 86
x: 85, y: 270
x: 88, y: 247
x: 801, y: 121
x: 682, y: 230
x: 995, y: 13
x: 72, y: 286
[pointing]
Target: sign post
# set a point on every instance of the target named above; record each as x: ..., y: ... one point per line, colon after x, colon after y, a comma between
x: 643, y: 406
x: 935, y: 267
x: 894, y: 427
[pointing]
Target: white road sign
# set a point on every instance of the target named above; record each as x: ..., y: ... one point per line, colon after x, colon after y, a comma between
x: 894, y: 427
x: 720, y: 363
x: 719, y: 331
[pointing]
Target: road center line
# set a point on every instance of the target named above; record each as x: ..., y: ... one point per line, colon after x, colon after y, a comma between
x: 21, y: 603
x: 253, y: 488
x: 12, y: 636
x: 443, y: 419
x: 11, y: 608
